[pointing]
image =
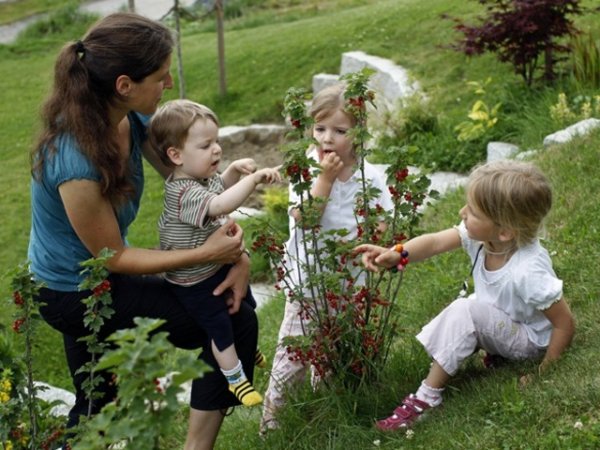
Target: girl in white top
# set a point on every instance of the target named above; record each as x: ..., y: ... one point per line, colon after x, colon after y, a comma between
x: 517, y: 310
x: 339, y: 182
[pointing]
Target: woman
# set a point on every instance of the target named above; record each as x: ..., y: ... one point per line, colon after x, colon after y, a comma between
x: 86, y: 188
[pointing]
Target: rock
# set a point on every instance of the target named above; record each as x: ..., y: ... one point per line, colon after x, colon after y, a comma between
x: 579, y: 129
x: 500, y: 150
x: 244, y: 213
x: 390, y: 81
x: 233, y: 135
x: 323, y: 80
x: 526, y: 155
x: 50, y: 393
x: 441, y: 182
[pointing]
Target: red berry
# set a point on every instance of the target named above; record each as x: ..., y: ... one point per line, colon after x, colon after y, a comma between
x: 17, y: 324
x: 18, y: 299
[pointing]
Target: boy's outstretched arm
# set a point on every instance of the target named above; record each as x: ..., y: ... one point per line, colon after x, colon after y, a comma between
x: 236, y: 169
x: 233, y: 197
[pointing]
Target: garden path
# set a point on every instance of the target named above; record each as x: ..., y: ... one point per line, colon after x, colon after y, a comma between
x: 154, y: 9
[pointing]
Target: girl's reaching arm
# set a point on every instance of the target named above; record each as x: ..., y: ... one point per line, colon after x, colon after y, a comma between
x: 431, y: 244
x: 419, y: 248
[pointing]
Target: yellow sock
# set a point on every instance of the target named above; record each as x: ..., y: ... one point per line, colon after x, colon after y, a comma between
x: 245, y: 393
x: 260, y: 360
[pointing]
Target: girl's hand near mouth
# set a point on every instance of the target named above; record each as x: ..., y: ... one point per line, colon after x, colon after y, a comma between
x: 331, y: 165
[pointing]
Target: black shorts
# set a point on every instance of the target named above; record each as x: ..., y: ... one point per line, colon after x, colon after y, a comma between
x: 147, y: 296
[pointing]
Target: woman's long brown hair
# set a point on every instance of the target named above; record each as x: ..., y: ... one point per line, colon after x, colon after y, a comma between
x: 84, y: 87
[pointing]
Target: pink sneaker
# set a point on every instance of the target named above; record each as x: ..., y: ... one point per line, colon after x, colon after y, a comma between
x: 404, y: 415
x: 492, y: 361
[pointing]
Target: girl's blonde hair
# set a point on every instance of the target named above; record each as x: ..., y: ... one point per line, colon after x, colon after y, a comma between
x: 171, y: 123
x: 515, y: 195
x: 328, y: 101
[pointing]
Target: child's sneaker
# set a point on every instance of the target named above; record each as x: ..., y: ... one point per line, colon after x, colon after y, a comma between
x: 260, y: 359
x: 404, y: 415
x: 245, y: 393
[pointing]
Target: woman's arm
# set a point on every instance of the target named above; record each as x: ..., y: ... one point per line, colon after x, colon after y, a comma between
x: 151, y: 156
x: 93, y: 219
x: 563, y: 329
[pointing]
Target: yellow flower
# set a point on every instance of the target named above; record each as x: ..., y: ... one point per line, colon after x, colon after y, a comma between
x: 8, y: 445
x: 5, y: 385
x: 5, y: 388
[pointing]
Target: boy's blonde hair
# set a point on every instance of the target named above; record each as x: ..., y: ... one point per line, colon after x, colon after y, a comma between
x: 328, y: 101
x: 170, y: 125
x: 514, y: 195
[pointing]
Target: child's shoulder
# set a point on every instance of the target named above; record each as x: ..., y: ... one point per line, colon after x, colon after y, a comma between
x: 531, y: 258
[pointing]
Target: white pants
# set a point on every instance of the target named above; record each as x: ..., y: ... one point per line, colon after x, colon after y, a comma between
x: 467, y: 325
x: 284, y: 373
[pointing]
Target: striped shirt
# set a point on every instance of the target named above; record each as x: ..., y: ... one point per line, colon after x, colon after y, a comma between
x: 184, y: 223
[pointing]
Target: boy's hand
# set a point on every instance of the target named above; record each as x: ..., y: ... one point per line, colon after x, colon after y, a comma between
x: 244, y: 166
x: 331, y: 165
x: 268, y: 175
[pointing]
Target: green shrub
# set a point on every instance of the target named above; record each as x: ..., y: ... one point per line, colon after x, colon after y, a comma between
x: 58, y: 22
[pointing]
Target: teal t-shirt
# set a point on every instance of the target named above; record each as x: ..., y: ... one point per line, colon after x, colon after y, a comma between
x: 55, y: 251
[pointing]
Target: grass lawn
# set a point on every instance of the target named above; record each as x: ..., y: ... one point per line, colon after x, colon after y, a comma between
x: 267, y: 53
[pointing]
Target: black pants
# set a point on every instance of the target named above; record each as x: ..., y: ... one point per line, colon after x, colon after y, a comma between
x: 147, y: 296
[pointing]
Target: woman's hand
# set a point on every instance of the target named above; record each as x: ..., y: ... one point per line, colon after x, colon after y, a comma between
x: 235, y: 284
x: 374, y: 257
x: 224, y: 246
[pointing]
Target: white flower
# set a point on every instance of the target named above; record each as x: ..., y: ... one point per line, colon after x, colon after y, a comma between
x: 376, y: 442
x: 578, y: 425
x: 409, y: 434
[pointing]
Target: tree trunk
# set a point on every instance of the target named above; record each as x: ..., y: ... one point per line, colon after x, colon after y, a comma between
x: 221, y: 47
x: 131, y: 5
x: 548, y: 63
x: 179, y: 56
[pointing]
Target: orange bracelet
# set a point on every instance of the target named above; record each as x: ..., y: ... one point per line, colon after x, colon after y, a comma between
x: 403, y: 260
